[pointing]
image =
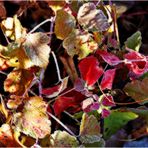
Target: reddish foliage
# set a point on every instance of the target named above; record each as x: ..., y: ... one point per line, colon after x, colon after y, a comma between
x: 90, y: 70
x: 108, y: 78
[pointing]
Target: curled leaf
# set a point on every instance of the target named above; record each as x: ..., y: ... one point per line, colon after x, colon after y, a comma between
x: 33, y: 120
x: 56, y: 90
x: 65, y: 21
x: 37, y: 49
x: 92, y: 18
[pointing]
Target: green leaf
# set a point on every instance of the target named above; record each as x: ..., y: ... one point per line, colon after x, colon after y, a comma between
x: 138, y: 90
x: 116, y: 121
x: 134, y: 41
x: 64, y: 24
x: 63, y: 139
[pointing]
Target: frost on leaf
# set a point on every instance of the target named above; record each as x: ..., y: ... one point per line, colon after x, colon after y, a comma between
x: 64, y: 24
x: 18, y: 81
x: 33, y: 120
x: 79, y: 43
x: 37, y: 49
x: 92, y: 18
x: 90, y: 70
x: 90, y: 131
x: 138, y: 90
x: 6, y: 137
x: 63, y: 139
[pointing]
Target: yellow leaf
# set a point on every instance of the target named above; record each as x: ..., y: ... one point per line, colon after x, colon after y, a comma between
x: 33, y: 120
x: 18, y: 81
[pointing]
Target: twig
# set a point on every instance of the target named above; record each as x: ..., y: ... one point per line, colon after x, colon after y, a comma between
x: 40, y: 81
x: 39, y: 25
x: 57, y: 67
x: 51, y: 27
x: 3, y: 73
x: 65, y: 127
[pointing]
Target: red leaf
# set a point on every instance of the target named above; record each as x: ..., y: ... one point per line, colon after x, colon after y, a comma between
x: 105, y: 113
x: 56, y: 90
x: 109, y: 57
x: 108, y: 101
x: 62, y: 103
x: 108, y: 78
x: 71, y: 99
x: 136, y: 63
x: 90, y: 70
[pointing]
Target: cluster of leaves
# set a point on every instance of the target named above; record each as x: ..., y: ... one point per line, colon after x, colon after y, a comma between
x: 86, y: 31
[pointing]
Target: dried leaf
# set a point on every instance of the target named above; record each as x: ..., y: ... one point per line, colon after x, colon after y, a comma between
x: 56, y: 90
x: 79, y: 43
x: 33, y: 120
x: 65, y: 21
x: 2, y: 10
x: 90, y: 132
x: 63, y: 139
x: 6, y: 137
x: 37, y: 49
x: 138, y: 90
x: 92, y: 18
x: 89, y: 125
x: 90, y: 70
x: 18, y: 81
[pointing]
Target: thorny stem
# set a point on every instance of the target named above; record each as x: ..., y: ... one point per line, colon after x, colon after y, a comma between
x: 57, y: 67
x: 51, y: 27
x: 40, y: 81
x: 66, y: 128
x: 3, y: 73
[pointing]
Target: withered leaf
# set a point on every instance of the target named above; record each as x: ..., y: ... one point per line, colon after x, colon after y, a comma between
x: 64, y: 24
x: 18, y: 81
x: 33, y: 120
x: 138, y: 90
x: 92, y: 18
x: 37, y: 49
x: 63, y: 139
x: 6, y: 137
x: 79, y: 43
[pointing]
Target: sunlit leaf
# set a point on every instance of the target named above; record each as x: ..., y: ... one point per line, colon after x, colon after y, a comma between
x: 33, y: 120
x: 64, y: 24
x: 134, y: 42
x: 37, y: 49
x: 63, y: 139
x: 56, y: 90
x: 116, y: 120
x: 6, y: 137
x: 92, y: 18
x: 90, y: 70
x: 13, y: 28
x: 18, y: 81
x: 138, y: 90
x: 79, y: 43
